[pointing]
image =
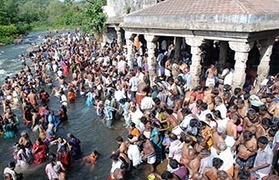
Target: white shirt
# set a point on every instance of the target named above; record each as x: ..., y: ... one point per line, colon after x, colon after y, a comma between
x: 115, y: 165
x: 223, y: 110
x: 119, y: 94
x: 264, y: 156
x: 134, y: 154
x: 186, y: 121
x: 228, y: 77
x: 147, y: 103
x: 133, y: 82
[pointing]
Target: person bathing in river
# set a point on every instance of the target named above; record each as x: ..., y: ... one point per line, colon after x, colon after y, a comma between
x: 90, y: 160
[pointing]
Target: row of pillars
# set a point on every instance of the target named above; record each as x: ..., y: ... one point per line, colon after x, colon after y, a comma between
x: 241, y: 49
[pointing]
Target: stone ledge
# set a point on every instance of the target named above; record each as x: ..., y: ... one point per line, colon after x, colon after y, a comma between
x: 229, y: 27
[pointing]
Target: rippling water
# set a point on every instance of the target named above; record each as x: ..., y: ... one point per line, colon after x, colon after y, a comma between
x: 83, y: 123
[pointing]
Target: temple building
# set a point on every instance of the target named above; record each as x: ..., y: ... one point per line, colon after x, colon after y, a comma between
x: 243, y: 33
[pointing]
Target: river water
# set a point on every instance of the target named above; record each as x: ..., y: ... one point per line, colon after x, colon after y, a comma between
x: 83, y: 123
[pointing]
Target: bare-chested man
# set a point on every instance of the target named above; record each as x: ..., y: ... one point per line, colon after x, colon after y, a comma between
x: 33, y: 98
x: 148, y: 152
x: 251, y: 121
x: 246, y: 150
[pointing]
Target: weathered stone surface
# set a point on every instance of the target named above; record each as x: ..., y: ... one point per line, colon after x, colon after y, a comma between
x: 151, y: 61
x: 219, y: 15
x: 119, y: 7
x: 265, y: 52
x: 241, y: 56
x: 129, y: 45
x: 195, y: 68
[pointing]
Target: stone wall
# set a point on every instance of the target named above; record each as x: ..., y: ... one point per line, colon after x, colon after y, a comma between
x: 116, y: 8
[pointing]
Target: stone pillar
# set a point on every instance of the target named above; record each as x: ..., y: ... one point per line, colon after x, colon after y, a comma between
x: 178, y: 42
x: 223, y: 53
x: 195, y: 68
x: 119, y: 35
x: 265, y: 48
x: 241, y: 56
x: 151, y: 59
x: 129, y: 45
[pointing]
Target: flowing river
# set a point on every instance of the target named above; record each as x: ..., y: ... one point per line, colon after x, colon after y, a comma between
x: 83, y: 123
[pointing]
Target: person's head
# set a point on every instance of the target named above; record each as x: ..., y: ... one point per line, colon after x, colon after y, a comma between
x: 237, y: 91
x: 38, y: 141
x: 208, y: 117
x: 243, y: 174
x: 173, y: 164
x: 252, y: 115
x: 8, y: 176
x: 262, y: 142
x: 52, y: 157
x: 240, y: 103
x: 222, y: 146
x: 192, y: 153
x: 114, y: 157
x: 172, y: 137
x: 119, y: 139
x: 166, y: 175
x: 185, y: 111
x: 266, y: 123
x: 222, y: 175
x: 233, y: 108
x: 203, y: 106
x: 247, y: 135
x: 204, y: 153
x: 215, y: 92
x: 217, y: 114
x: 218, y: 100
x: 262, y: 109
x: 217, y: 162
x: 95, y: 153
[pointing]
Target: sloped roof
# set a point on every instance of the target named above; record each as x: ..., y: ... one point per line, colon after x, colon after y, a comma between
x: 234, y: 15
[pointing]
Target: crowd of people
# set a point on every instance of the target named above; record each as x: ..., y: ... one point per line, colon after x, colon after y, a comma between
x: 209, y: 132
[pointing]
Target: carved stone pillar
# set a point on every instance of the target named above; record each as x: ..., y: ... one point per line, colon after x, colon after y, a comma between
x: 265, y: 48
x: 119, y: 35
x: 241, y: 56
x: 151, y: 59
x: 195, y: 68
x: 129, y: 45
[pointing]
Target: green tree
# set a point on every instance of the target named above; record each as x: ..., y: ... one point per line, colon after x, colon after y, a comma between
x: 94, y: 18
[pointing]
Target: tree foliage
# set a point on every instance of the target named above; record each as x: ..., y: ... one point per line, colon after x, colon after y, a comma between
x: 27, y: 14
x: 94, y: 19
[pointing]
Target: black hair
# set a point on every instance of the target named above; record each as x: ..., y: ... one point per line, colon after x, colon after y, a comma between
x: 263, y: 108
x: 243, y: 174
x: 236, y: 91
x: 247, y: 135
x: 217, y: 113
x: 119, y: 139
x: 174, y: 164
x: 203, y: 106
x: 217, y: 162
x: 266, y: 121
x: 114, y: 157
x: 263, y: 140
x: 11, y: 164
x: 166, y: 175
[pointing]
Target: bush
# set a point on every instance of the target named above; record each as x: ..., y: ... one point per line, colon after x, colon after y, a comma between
x: 8, y: 30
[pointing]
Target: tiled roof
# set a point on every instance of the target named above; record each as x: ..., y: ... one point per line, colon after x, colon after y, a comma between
x: 210, y: 7
x: 208, y: 14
